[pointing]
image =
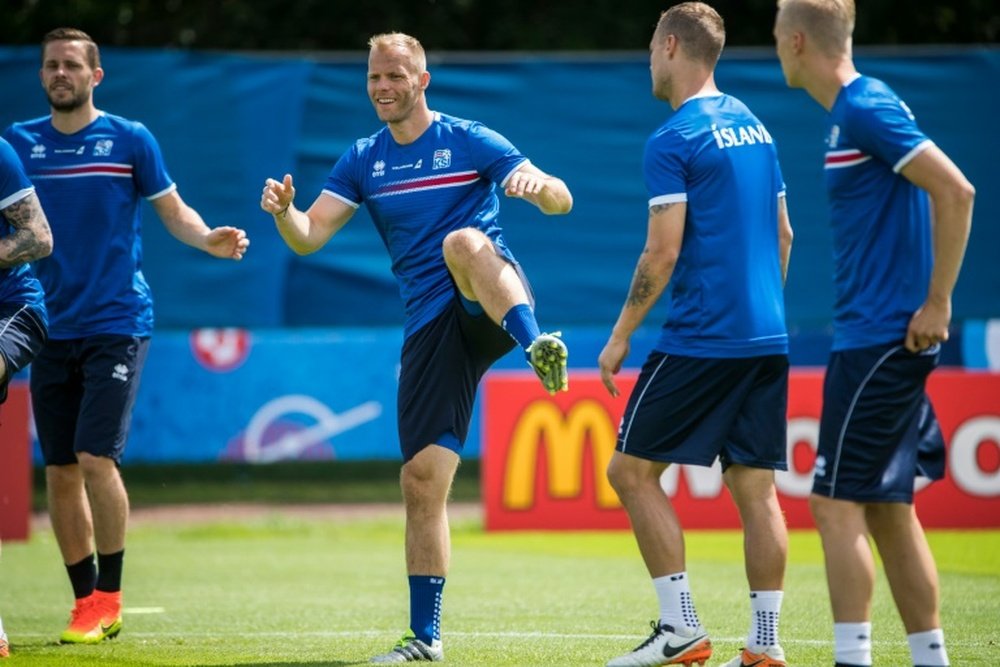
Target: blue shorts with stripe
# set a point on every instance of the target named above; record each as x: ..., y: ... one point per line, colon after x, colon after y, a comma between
x: 878, y: 431
x: 22, y: 335
x: 692, y: 410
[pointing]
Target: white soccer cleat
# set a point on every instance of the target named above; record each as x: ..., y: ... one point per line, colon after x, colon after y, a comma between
x: 668, y: 646
x: 411, y: 649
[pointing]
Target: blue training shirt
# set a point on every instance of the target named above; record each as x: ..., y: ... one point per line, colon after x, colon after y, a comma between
x: 419, y: 192
x: 726, y: 295
x: 17, y: 284
x: 90, y: 184
x: 882, y: 251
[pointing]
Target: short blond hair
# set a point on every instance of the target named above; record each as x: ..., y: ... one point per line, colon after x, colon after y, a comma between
x: 399, y: 40
x: 829, y: 22
x: 698, y: 28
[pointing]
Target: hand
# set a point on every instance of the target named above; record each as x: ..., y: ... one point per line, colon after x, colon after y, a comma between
x: 227, y: 243
x: 277, y: 197
x: 525, y: 184
x: 610, y: 362
x: 929, y: 325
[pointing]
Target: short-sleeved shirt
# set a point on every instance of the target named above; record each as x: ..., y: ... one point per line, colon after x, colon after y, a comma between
x: 726, y: 294
x: 882, y: 248
x: 17, y: 284
x: 91, y: 184
x: 419, y: 192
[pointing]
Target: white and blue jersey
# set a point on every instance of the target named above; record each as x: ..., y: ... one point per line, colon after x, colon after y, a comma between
x: 17, y: 284
x: 725, y: 295
x: 882, y: 249
x: 90, y: 184
x: 417, y: 193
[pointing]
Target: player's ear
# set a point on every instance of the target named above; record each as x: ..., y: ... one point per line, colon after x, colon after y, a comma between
x: 425, y: 80
x: 98, y: 76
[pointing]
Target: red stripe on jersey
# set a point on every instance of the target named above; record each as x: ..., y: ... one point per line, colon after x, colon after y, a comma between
x: 444, y: 180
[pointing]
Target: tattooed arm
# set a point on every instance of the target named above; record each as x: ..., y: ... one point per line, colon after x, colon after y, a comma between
x: 30, y: 237
x: 652, y: 274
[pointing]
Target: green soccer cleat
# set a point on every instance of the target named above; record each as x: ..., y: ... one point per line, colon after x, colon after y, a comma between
x: 547, y: 355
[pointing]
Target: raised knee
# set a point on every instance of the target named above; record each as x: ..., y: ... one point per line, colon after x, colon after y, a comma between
x: 462, y: 244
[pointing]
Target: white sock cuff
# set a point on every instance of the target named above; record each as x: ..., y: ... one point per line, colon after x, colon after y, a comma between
x: 766, y: 600
x: 852, y: 643
x: 927, y: 648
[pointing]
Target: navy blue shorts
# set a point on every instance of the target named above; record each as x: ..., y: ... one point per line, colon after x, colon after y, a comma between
x: 440, y: 369
x: 878, y: 431
x: 22, y: 335
x: 692, y: 410
x: 82, y: 393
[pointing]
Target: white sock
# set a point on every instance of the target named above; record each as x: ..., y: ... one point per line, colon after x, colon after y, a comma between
x: 852, y: 643
x: 676, y: 605
x: 1, y: 627
x: 927, y: 648
x: 765, y: 612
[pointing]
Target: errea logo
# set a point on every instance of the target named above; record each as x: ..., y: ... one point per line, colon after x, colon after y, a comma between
x: 37, y: 152
x: 378, y: 169
x: 120, y: 372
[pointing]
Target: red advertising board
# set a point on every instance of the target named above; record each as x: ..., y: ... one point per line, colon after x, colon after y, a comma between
x: 15, y: 465
x: 544, y: 456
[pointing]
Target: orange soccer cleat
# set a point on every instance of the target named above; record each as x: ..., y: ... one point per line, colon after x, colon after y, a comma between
x: 94, y: 618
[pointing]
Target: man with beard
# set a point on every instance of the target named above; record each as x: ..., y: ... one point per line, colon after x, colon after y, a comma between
x: 91, y: 169
x: 429, y: 181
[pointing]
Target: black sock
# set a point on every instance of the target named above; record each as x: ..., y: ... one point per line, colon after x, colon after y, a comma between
x: 83, y: 576
x: 109, y: 571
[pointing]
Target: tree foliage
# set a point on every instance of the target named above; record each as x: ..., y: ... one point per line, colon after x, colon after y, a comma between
x: 461, y: 25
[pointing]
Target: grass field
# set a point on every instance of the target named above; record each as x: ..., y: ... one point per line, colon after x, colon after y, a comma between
x: 279, y: 589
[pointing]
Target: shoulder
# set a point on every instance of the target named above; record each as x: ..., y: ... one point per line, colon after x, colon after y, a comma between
x: 867, y: 97
x: 26, y: 128
x: 119, y: 125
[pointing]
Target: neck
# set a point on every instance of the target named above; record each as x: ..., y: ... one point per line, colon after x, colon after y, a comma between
x: 69, y: 122
x: 409, y: 130
x: 829, y: 78
x: 700, y: 85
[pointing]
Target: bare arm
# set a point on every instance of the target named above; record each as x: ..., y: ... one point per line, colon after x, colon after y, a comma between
x: 186, y: 225
x: 784, y: 237
x: 952, y: 198
x: 652, y: 274
x: 30, y: 238
x: 303, y: 231
x: 548, y: 193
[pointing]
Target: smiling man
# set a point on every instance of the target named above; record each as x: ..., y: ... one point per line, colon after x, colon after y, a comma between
x: 429, y: 182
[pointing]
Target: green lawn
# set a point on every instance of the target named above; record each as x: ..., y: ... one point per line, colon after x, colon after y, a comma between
x: 279, y: 590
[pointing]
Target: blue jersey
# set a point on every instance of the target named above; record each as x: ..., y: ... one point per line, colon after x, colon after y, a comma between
x: 418, y: 193
x: 882, y: 252
x: 17, y: 284
x: 90, y: 184
x: 725, y: 295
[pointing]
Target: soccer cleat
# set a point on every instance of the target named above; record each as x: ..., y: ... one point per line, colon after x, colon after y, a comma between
x: 4, y: 646
x: 547, y: 356
x: 411, y: 649
x: 668, y: 646
x: 94, y: 618
x: 769, y: 656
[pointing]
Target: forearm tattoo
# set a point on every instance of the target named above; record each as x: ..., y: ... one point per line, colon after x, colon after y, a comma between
x: 642, y: 284
x: 29, y: 239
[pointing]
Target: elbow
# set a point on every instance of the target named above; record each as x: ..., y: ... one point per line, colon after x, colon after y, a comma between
x: 45, y: 245
x: 564, y: 206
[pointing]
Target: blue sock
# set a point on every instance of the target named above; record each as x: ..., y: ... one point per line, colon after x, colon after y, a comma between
x: 520, y: 323
x: 425, y: 607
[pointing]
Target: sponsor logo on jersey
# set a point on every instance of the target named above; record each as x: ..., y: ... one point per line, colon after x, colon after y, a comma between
x: 103, y: 147
x: 37, y: 152
x: 378, y: 169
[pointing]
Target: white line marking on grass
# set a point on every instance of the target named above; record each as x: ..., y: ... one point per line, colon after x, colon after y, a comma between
x: 474, y: 635
x: 143, y: 610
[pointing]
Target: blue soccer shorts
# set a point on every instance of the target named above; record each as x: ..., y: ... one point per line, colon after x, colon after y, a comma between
x: 692, y: 410
x: 878, y: 430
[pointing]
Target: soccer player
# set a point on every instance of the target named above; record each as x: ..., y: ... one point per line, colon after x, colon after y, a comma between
x: 897, y: 256
x: 24, y: 237
x: 91, y: 170
x: 716, y: 383
x: 429, y: 181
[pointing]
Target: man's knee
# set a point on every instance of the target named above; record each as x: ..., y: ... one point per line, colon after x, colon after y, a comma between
x: 461, y: 245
